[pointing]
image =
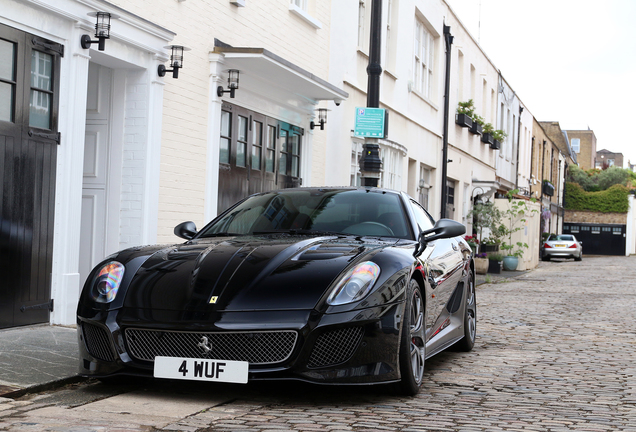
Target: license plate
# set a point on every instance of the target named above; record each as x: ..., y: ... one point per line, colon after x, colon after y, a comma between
x: 201, y: 369
x: 559, y: 245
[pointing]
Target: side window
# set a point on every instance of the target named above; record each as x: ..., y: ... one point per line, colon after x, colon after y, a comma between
x: 424, y: 221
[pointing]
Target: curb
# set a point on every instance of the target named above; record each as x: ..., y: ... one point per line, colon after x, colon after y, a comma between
x: 51, y: 385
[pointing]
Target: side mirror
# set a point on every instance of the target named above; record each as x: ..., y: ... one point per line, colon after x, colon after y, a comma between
x: 444, y: 228
x: 185, y: 230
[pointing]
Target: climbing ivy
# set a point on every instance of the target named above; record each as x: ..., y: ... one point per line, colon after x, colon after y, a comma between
x: 612, y: 200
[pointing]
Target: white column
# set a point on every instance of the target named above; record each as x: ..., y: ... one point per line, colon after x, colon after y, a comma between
x: 66, y: 284
x: 214, y: 135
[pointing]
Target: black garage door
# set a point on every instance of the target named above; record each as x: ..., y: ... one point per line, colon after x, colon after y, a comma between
x: 29, y: 92
x: 599, y: 239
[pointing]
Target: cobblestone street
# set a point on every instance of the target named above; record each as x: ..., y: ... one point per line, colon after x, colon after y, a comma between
x: 555, y: 352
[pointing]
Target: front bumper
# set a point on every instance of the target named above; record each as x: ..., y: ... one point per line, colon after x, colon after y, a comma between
x: 357, y: 347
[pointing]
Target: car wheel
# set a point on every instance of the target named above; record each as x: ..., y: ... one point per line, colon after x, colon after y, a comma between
x: 578, y: 258
x: 412, y: 343
x: 545, y: 258
x: 470, y: 318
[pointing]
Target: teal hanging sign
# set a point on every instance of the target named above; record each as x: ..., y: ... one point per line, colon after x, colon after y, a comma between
x: 370, y: 122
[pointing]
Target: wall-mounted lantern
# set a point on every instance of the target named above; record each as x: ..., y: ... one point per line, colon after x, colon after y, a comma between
x: 322, y: 119
x: 232, y: 83
x: 102, y: 30
x: 176, y: 60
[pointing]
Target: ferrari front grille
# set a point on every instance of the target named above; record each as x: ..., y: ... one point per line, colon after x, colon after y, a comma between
x: 97, y: 342
x: 257, y: 348
x: 334, y: 347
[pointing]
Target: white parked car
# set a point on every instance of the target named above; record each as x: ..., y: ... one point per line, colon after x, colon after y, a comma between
x: 562, y: 246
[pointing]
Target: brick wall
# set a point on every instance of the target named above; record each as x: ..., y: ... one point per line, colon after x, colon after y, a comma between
x: 572, y: 216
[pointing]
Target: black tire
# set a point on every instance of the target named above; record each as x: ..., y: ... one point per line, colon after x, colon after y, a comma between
x: 470, y: 317
x: 579, y: 258
x: 412, y: 341
x: 545, y: 258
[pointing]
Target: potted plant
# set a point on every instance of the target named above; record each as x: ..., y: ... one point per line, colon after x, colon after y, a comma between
x: 465, y: 112
x: 495, y: 262
x: 478, y: 123
x: 486, y: 217
x: 481, y: 263
x: 486, y: 133
x: 514, y: 217
x: 473, y: 242
x: 498, y: 136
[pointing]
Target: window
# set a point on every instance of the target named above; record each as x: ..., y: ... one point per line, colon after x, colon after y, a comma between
x: 41, y: 90
x: 257, y: 144
x: 424, y: 220
x: 226, y: 137
x: 241, y: 142
x: 391, y: 168
x: 300, y: 4
x: 617, y: 231
x: 356, y: 152
x: 391, y: 34
x: 7, y: 80
x: 364, y: 22
x: 610, y: 162
x: 424, y: 186
x: 282, y: 160
x: 423, y: 61
x: 576, y: 145
x: 271, y: 149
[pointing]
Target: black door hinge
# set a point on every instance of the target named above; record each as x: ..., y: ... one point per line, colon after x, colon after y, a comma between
x: 55, y: 47
x: 48, y: 306
x: 57, y: 136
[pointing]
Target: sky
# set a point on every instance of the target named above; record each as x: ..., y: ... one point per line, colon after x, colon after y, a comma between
x: 571, y: 61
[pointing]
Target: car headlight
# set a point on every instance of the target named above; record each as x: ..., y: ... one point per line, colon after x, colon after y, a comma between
x: 355, y: 284
x: 107, y: 282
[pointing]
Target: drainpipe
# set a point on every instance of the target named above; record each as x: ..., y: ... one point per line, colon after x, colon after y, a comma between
x: 449, y: 41
x: 558, y: 201
x: 531, y: 165
x: 518, y: 146
x: 370, y: 162
x: 542, y: 172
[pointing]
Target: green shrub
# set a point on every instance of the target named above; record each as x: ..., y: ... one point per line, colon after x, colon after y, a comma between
x: 612, y: 200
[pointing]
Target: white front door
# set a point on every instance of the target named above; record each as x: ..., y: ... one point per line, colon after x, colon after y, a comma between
x: 96, y: 168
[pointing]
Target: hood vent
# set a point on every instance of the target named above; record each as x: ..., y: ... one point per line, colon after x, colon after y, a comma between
x: 325, y: 252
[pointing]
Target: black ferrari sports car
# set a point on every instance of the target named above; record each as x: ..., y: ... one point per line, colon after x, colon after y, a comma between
x: 325, y: 285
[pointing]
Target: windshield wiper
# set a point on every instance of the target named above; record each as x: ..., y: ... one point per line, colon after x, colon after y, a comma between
x: 221, y: 234
x: 297, y: 232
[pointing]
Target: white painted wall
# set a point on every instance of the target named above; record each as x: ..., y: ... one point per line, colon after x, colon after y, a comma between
x: 630, y: 245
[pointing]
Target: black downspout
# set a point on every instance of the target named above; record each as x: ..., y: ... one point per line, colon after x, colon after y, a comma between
x: 449, y: 41
x: 518, y: 147
x: 542, y: 172
x: 370, y: 161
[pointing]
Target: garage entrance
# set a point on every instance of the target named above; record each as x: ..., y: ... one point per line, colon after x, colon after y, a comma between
x: 599, y: 239
x: 29, y: 94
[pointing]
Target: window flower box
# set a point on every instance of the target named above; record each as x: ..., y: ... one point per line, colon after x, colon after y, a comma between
x: 464, y: 120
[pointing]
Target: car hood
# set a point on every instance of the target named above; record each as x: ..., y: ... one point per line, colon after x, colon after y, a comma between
x: 244, y: 273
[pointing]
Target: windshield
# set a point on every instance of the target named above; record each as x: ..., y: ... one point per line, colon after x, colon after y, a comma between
x: 562, y: 237
x: 357, y: 212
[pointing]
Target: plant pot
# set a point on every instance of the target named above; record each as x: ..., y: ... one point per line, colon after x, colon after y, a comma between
x: 475, y: 129
x: 490, y: 248
x: 495, y: 144
x: 510, y: 263
x: 464, y: 120
x: 481, y: 265
x: 494, y: 266
x: 487, y: 138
